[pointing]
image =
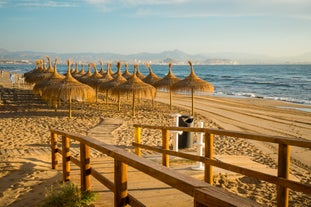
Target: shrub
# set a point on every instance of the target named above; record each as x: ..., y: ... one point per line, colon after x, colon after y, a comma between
x: 68, y: 195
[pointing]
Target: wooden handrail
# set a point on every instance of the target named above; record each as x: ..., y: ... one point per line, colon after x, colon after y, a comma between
x: 281, y: 180
x: 299, y: 142
x: 301, y: 187
x: 123, y: 158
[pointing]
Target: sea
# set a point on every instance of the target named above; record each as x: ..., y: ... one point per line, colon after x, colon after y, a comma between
x: 290, y: 83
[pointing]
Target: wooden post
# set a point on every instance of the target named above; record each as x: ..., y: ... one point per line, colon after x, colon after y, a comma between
x: 137, y: 135
x: 283, y: 172
x: 54, y: 151
x: 209, y: 153
x: 165, y: 146
x: 133, y: 106
x: 66, y: 158
x: 85, y: 160
x: 120, y: 183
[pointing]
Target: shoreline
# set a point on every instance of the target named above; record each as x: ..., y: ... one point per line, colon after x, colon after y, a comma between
x: 255, y: 93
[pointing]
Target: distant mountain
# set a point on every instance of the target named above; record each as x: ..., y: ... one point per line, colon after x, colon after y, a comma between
x: 174, y: 56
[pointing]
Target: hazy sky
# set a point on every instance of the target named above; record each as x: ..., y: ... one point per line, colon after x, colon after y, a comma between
x: 270, y: 27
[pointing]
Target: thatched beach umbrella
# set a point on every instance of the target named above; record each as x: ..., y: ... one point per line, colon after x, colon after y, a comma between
x: 82, y: 71
x: 33, y: 76
x: 53, y: 79
x: 93, y: 80
x: 139, y: 74
x: 46, y: 73
x: 135, y: 86
x: 126, y: 74
x: 79, y: 73
x: 102, y: 70
x: 151, y: 78
x: 167, y: 82
x: 107, y: 76
x: 69, y: 89
x: 42, y: 85
x: 119, y: 79
x: 193, y: 83
x: 37, y: 69
x: 85, y: 77
x: 76, y: 70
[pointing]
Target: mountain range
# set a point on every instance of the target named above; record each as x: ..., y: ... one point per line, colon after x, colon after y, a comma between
x: 174, y: 56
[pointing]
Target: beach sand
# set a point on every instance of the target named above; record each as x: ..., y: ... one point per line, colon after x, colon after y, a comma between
x: 25, y: 154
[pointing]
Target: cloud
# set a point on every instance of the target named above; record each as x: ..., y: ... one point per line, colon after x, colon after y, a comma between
x: 136, y: 2
x: 206, y: 8
x: 182, y: 8
x: 40, y: 3
x: 2, y: 3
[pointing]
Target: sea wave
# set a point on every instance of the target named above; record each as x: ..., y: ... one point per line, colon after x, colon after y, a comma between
x: 253, y: 95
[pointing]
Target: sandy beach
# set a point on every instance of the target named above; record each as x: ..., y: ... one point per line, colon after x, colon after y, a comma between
x: 25, y: 137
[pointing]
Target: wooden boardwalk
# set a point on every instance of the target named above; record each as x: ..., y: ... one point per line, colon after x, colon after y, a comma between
x: 145, y: 188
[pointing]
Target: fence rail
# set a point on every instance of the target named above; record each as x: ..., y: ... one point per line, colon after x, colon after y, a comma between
x: 281, y: 180
x: 203, y: 193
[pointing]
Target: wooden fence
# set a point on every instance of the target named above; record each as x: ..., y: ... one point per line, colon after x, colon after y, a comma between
x: 281, y: 180
x: 203, y: 193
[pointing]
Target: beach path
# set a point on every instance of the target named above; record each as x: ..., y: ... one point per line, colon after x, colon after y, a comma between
x: 104, y: 130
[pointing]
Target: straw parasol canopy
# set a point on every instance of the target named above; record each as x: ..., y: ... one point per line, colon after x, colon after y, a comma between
x: 69, y: 89
x: 139, y: 74
x: 126, y: 74
x: 53, y: 79
x: 107, y: 76
x: 83, y: 78
x: 135, y: 86
x: 102, y: 70
x: 37, y: 69
x: 151, y: 78
x: 79, y: 73
x: 193, y: 83
x: 34, y: 75
x: 93, y: 80
x: 46, y: 73
x: 167, y: 82
x: 76, y: 70
x: 82, y: 71
x: 119, y: 79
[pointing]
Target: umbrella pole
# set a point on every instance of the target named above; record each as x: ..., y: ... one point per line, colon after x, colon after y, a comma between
x: 96, y: 93
x: 133, y: 107
x: 106, y: 97
x: 55, y: 105
x: 119, y: 101
x: 152, y: 102
x: 192, y: 91
x: 170, y: 99
x: 70, y: 107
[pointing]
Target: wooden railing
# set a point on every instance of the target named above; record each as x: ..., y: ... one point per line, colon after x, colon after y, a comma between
x: 281, y: 180
x: 203, y: 193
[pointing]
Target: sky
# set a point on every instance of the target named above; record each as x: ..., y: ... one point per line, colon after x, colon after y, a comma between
x: 274, y: 28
